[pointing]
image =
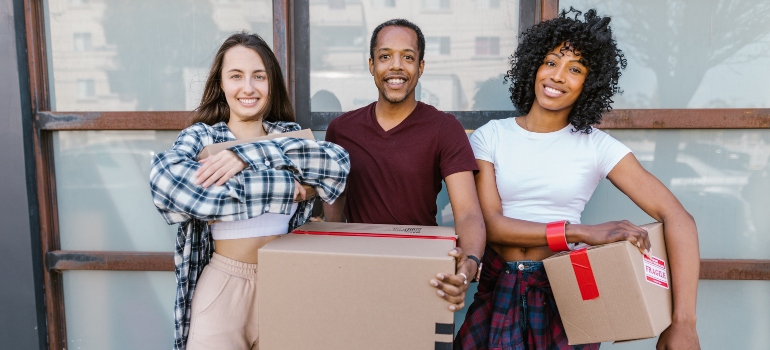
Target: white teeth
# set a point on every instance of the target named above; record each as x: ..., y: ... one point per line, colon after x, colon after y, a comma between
x: 396, y: 81
x: 248, y: 100
x: 553, y: 91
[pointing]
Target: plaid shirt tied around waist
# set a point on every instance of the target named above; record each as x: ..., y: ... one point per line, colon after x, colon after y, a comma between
x: 265, y: 186
x: 513, y: 310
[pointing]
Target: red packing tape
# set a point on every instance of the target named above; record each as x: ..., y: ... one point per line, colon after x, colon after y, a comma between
x: 370, y: 234
x: 584, y: 274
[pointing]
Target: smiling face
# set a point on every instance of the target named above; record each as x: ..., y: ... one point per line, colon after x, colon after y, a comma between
x: 396, y: 66
x: 559, y: 80
x: 244, y: 83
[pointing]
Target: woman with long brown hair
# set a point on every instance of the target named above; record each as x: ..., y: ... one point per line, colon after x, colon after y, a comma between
x: 241, y: 198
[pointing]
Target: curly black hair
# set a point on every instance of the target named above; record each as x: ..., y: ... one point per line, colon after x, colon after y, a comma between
x: 592, y: 38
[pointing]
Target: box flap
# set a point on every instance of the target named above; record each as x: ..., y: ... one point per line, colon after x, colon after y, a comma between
x: 405, y: 230
x: 215, y: 148
x: 375, y: 246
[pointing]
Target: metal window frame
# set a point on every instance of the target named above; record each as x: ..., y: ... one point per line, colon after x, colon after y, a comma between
x: 290, y: 38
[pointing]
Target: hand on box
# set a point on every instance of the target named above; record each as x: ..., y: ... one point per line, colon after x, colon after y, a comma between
x: 679, y: 336
x: 218, y: 168
x: 452, y: 288
x: 610, y: 232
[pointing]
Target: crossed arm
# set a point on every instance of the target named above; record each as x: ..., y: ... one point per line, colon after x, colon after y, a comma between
x: 254, y: 178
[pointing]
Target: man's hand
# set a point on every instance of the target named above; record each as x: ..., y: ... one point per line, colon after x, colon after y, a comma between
x: 218, y: 168
x: 679, y: 336
x: 452, y: 288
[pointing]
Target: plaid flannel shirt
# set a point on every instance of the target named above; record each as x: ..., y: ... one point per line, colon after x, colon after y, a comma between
x: 265, y: 186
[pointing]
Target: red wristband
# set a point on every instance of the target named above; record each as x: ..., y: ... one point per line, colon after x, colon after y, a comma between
x: 556, y: 235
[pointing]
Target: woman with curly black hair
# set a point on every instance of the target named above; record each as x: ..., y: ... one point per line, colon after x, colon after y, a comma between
x: 537, y: 172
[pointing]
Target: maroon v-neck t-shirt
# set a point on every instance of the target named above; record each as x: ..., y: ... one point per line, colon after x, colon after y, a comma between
x: 396, y: 175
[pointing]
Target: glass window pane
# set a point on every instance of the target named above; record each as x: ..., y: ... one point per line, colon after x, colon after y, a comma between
x: 103, y: 191
x: 142, y: 55
x: 690, y: 53
x: 466, y: 53
x: 119, y: 309
x: 722, y: 177
x: 731, y: 315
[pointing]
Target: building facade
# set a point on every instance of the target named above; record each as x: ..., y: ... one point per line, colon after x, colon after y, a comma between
x: 96, y: 87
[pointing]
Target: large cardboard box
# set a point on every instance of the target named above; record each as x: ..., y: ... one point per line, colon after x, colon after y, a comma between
x: 359, y: 288
x: 215, y: 148
x: 633, y: 301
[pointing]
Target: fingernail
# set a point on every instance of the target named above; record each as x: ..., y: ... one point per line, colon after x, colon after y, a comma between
x: 453, y: 251
x: 452, y: 307
x: 434, y: 283
x: 440, y: 293
x: 440, y: 276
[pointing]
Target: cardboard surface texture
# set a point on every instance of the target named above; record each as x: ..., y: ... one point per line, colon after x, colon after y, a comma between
x: 634, y: 299
x: 215, y: 148
x: 347, y: 291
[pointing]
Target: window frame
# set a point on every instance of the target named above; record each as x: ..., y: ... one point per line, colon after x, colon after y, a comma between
x: 290, y: 34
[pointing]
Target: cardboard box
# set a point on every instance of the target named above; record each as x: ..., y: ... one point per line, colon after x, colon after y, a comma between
x: 634, y: 299
x: 215, y: 148
x: 352, y: 291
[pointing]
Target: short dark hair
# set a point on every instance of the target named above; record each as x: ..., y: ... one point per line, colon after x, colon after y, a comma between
x: 214, y: 108
x: 398, y: 22
x: 592, y: 38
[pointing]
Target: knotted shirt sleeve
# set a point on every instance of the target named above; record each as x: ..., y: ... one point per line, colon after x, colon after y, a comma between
x: 320, y: 164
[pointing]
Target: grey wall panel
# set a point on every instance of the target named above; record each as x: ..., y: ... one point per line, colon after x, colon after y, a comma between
x: 22, y: 318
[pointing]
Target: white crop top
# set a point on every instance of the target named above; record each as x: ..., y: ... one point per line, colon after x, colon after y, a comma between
x: 546, y: 177
x: 267, y: 224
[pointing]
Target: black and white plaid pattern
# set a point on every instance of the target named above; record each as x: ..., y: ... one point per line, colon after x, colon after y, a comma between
x: 266, y: 186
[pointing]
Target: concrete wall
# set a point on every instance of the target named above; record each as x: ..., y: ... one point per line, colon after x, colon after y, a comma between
x: 22, y: 311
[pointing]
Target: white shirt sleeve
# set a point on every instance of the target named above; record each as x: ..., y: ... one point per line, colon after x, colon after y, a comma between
x: 484, y: 141
x: 609, y: 152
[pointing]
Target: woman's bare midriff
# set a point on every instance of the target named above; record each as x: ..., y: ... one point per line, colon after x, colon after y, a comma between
x: 243, y: 249
x: 518, y: 253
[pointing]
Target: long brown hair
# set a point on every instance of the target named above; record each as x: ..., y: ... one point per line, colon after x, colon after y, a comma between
x: 214, y: 109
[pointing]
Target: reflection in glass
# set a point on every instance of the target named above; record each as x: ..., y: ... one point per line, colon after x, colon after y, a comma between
x: 722, y: 177
x: 103, y: 191
x: 731, y: 315
x: 140, y: 55
x: 466, y: 52
x: 119, y: 310
x: 690, y: 53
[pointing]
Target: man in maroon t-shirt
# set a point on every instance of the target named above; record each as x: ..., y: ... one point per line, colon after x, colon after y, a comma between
x: 401, y: 149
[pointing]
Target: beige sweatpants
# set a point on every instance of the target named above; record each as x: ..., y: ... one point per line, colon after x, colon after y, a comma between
x: 224, y: 307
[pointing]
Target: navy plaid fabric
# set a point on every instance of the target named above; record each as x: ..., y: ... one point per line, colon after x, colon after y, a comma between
x: 266, y: 186
x: 513, y: 309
